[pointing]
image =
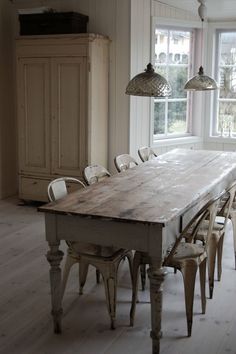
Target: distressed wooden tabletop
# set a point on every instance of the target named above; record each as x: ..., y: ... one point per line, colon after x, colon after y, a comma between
x: 156, y: 191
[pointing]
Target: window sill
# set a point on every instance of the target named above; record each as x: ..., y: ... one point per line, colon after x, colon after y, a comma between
x: 177, y: 141
x: 221, y: 139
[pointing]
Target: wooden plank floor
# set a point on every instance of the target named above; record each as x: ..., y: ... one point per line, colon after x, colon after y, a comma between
x: 25, y: 320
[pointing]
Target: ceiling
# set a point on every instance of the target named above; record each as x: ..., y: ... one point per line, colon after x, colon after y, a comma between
x: 216, y: 9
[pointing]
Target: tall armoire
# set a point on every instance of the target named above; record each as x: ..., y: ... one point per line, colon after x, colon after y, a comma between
x: 62, y: 95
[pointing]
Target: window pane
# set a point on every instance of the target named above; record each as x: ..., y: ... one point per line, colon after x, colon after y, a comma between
x: 228, y: 48
x: 161, y: 70
x: 177, y: 117
x: 159, y: 117
x: 228, y: 82
x: 177, y: 78
x: 226, y: 118
x: 223, y: 121
x: 173, y: 61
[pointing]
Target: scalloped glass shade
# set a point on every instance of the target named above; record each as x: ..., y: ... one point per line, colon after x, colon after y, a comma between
x: 149, y: 84
x: 201, y: 82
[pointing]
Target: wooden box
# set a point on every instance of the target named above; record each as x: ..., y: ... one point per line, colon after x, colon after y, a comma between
x: 53, y: 23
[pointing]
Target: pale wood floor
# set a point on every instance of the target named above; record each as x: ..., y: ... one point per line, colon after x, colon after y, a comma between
x: 25, y: 321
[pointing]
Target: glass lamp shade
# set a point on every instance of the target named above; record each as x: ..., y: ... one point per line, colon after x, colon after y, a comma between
x: 201, y: 82
x: 149, y: 84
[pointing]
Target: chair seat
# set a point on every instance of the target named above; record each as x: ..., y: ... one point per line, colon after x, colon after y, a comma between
x: 188, y: 250
x: 93, y: 250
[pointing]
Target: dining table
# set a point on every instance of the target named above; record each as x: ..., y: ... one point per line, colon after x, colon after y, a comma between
x: 144, y: 209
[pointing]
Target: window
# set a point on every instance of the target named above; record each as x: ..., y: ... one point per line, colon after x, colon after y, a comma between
x: 173, y: 55
x: 225, y: 98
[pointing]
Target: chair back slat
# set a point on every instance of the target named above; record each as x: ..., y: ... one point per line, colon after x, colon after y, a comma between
x: 57, y: 188
x: 146, y: 153
x: 207, y: 212
x: 95, y: 173
x: 124, y: 162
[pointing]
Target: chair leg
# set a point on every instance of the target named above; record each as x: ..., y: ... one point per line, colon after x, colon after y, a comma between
x: 83, y: 272
x: 189, y: 271
x: 136, y: 265
x: 110, y: 284
x: 233, y: 219
x: 129, y: 256
x: 70, y: 261
x: 202, y: 273
x: 219, y: 257
x: 143, y: 275
x: 212, y: 246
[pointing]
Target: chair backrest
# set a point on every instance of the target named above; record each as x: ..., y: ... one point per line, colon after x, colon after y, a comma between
x: 227, y: 202
x: 207, y: 212
x: 146, y: 153
x: 95, y: 173
x: 124, y: 162
x: 58, y: 187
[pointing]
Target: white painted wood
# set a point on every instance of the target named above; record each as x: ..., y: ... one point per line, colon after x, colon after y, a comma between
x: 161, y: 9
x: 69, y: 112
x: 33, y: 115
x: 216, y: 9
x: 8, y: 158
x: 62, y: 106
x: 140, y: 56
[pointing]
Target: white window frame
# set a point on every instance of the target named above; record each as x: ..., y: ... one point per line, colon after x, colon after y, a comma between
x: 210, y: 108
x: 195, y: 134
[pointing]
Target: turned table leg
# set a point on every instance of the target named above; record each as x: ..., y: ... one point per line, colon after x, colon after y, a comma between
x: 54, y: 257
x: 156, y: 277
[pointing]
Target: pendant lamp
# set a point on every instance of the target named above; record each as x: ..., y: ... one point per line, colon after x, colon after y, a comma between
x: 201, y: 82
x: 148, y: 83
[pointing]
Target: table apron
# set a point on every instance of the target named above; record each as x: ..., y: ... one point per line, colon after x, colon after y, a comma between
x: 151, y: 238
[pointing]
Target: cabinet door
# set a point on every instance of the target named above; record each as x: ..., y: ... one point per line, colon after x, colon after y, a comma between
x: 69, y: 119
x: 34, y: 115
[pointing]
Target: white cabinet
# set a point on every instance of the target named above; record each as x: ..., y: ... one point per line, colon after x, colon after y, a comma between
x: 62, y: 94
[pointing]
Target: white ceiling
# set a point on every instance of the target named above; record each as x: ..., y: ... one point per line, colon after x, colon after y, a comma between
x: 216, y: 9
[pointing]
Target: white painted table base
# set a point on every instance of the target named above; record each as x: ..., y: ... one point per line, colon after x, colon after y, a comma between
x: 139, y: 209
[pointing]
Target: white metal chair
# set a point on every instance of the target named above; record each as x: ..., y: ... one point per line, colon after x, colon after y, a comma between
x: 186, y: 257
x: 95, y: 173
x: 57, y: 189
x: 215, y: 244
x: 124, y: 162
x: 146, y: 153
x: 105, y: 259
x: 232, y: 216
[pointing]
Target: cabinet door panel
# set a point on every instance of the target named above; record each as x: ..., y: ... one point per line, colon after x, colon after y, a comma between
x: 69, y: 105
x: 34, y: 115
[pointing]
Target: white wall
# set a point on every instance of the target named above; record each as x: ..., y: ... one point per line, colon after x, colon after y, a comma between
x: 139, y: 58
x: 8, y: 164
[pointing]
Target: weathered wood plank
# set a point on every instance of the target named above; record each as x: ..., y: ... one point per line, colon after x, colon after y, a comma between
x: 156, y: 191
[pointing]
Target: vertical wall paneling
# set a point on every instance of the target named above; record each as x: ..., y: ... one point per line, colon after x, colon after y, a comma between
x: 111, y: 18
x: 8, y: 163
x: 162, y: 10
x: 140, y: 56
